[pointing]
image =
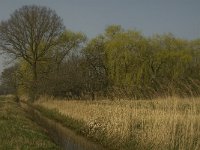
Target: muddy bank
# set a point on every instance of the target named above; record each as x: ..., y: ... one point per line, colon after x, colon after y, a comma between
x: 63, y: 136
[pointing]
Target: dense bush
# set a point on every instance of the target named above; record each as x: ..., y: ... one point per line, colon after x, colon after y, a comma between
x: 116, y: 64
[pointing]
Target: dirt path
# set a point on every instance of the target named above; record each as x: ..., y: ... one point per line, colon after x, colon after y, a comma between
x: 64, y: 137
x: 18, y: 131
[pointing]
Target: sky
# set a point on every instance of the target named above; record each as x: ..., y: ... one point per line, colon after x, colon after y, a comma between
x: 180, y: 17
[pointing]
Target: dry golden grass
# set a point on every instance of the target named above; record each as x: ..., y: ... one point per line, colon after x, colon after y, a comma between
x: 170, y: 123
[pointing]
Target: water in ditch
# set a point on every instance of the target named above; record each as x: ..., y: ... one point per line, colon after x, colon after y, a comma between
x: 64, y: 137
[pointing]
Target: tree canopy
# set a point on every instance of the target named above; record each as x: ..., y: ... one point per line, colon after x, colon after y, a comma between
x: 118, y: 63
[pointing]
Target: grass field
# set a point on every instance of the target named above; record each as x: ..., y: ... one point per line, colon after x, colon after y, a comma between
x: 18, y: 131
x: 171, y: 123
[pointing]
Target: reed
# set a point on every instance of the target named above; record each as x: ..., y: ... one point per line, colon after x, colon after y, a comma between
x: 170, y: 123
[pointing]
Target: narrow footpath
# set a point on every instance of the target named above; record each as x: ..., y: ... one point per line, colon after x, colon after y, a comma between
x: 62, y: 136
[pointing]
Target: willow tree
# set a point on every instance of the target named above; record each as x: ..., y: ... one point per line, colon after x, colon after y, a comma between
x: 30, y: 34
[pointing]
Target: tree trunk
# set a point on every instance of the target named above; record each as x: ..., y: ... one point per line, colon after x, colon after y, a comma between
x: 35, y: 71
x: 34, y: 86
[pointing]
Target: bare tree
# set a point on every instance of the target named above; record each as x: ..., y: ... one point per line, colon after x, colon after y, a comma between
x: 30, y: 34
x: 68, y: 41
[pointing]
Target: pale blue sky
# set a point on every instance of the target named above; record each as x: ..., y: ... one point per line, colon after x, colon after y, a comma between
x: 180, y: 17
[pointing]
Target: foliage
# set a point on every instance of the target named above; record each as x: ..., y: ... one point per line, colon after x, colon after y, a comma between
x: 9, y: 79
x: 118, y: 63
x: 138, y: 67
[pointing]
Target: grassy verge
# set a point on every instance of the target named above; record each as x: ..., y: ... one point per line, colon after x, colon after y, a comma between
x: 157, y: 124
x: 78, y: 126
x: 18, y: 131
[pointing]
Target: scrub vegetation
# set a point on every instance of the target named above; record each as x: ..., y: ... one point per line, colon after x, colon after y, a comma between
x: 117, y: 64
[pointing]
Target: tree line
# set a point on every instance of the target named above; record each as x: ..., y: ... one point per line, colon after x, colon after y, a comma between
x: 119, y: 63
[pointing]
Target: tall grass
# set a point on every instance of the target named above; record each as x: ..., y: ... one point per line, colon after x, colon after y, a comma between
x: 170, y: 123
